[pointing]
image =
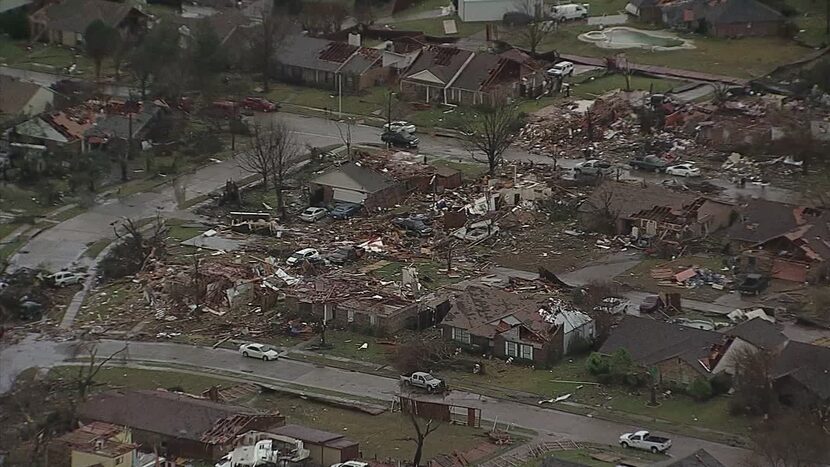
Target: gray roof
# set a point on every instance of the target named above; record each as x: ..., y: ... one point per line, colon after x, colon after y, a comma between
x: 118, y: 126
x: 807, y: 364
x: 763, y: 220
x: 76, y: 15
x: 626, y: 199
x: 361, y: 61
x: 354, y: 177
x: 649, y: 341
x: 741, y: 11
x: 15, y: 94
x: 222, y: 23
x: 324, y: 55
x: 306, y: 434
x: 39, y: 128
x: 443, y: 62
x: 476, y: 74
x: 760, y: 333
x: 699, y: 458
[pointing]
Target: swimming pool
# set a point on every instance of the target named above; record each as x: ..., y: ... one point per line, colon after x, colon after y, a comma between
x: 622, y: 37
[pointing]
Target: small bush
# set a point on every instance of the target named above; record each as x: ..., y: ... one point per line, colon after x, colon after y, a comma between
x: 597, y: 365
x: 721, y: 383
x: 700, y: 389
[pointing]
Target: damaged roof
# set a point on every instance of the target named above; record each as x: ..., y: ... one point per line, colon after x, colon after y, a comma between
x: 664, y: 341
x: 481, y: 309
x: 481, y: 71
x: 16, y: 94
x: 760, y: 333
x: 438, y: 65
x: 763, y: 220
x: 325, y: 55
x: 741, y: 11
x: 627, y: 199
x: 807, y: 364
x: 162, y: 412
x: 352, y: 176
x: 76, y: 15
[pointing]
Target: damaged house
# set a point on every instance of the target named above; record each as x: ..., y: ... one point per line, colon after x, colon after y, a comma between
x: 512, y: 325
x: 65, y: 22
x: 353, y: 183
x: 720, y: 18
x: 652, y: 212
x: 783, y: 241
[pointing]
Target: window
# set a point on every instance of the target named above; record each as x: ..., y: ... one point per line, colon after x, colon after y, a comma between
x: 527, y: 352
x: 119, y: 460
x: 350, y: 314
x: 461, y: 335
x: 511, y: 349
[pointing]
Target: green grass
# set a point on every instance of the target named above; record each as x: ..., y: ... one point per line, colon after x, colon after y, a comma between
x: 44, y: 57
x: 9, y: 249
x: 183, y: 230
x: 95, y: 249
x: 380, y: 436
x: 371, y: 102
x: 21, y: 201
x: 567, y: 376
x: 744, y: 58
x: 428, y: 273
x: 811, y: 19
x: 7, y: 229
x: 347, y: 344
x: 435, y: 26
x: 583, y: 456
x: 136, y: 378
x: 592, y: 87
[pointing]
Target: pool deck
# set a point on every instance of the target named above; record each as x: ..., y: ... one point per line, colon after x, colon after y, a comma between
x: 661, y: 71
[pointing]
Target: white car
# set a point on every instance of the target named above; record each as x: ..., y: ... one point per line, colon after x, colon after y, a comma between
x: 313, y: 214
x: 561, y: 69
x: 259, y: 351
x: 594, y: 167
x: 306, y: 254
x: 400, y: 127
x: 683, y: 170
x: 64, y: 278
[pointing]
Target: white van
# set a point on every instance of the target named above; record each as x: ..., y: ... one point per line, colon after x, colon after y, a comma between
x: 569, y: 11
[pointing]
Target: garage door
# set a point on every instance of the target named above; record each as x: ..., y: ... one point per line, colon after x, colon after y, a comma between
x: 349, y: 196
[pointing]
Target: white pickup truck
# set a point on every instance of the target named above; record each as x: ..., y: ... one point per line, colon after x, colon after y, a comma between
x: 423, y: 380
x: 643, y: 440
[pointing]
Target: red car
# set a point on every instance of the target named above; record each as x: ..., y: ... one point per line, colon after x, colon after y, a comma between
x: 260, y: 104
x: 223, y: 109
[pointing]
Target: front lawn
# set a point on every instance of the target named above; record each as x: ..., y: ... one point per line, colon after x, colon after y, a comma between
x: 595, y: 86
x: 44, y: 57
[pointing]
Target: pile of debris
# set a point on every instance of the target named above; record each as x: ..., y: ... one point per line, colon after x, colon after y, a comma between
x: 691, y: 278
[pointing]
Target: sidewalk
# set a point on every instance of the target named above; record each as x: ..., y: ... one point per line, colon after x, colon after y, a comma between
x: 661, y: 71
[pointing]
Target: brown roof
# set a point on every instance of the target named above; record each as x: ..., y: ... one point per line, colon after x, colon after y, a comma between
x: 307, y: 434
x: 97, y: 438
x: 481, y: 71
x: 15, y: 94
x: 166, y: 413
x: 763, y: 220
x: 443, y: 62
x: 479, y: 309
x: 76, y: 15
x: 626, y: 199
x: 807, y: 364
x: 649, y: 341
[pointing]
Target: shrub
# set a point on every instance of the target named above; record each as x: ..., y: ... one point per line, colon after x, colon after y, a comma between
x: 597, y: 365
x: 621, y: 363
x: 721, y: 383
x: 700, y: 389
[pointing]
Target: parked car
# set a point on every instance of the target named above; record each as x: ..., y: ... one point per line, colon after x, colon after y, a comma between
x: 259, y: 351
x: 683, y: 170
x: 402, y: 140
x: 260, y: 104
x: 645, y: 441
x: 65, y: 278
x: 306, y: 254
x: 29, y: 310
x: 651, y: 304
x: 561, y: 69
x: 313, y: 214
x: 400, y: 127
x: 594, y: 167
x: 569, y: 11
x: 345, y: 210
x: 413, y: 226
x: 752, y: 284
x: 223, y: 109
x: 350, y: 464
x: 423, y: 380
x: 344, y: 255
x: 652, y: 163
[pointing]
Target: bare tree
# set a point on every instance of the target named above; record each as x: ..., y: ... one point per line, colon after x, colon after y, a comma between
x: 87, y: 373
x: 272, y: 153
x: 752, y: 382
x: 344, y: 127
x: 534, y: 33
x: 135, y: 246
x: 491, y: 130
x: 421, y: 434
x: 264, y: 44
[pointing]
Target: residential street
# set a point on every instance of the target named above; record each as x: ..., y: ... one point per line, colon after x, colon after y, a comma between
x: 45, y: 353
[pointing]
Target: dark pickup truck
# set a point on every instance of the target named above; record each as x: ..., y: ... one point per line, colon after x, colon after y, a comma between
x: 652, y: 163
x: 752, y: 284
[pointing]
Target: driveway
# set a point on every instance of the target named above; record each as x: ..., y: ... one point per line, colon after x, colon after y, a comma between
x: 31, y: 352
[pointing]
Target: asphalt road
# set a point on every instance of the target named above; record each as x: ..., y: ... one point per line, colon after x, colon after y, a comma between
x: 42, y: 353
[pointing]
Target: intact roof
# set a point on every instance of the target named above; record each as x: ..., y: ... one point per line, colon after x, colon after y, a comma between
x: 478, y: 72
x: 76, y: 15
x: 759, y: 332
x: 763, y: 220
x: 649, y: 341
x: 40, y: 129
x: 699, y: 458
x: 354, y: 177
x: 443, y: 63
x: 479, y: 309
x: 118, y: 126
x: 15, y: 94
x: 626, y: 199
x: 306, y: 434
x: 166, y: 413
x: 741, y: 11
x: 807, y: 364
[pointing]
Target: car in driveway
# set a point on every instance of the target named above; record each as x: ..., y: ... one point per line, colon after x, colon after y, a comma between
x: 413, y: 226
x: 260, y: 351
x: 260, y: 104
x: 683, y: 170
x: 345, y: 210
x: 752, y: 284
x: 66, y: 278
x: 313, y: 214
x: 594, y: 167
x: 306, y: 254
x: 400, y: 126
x: 401, y: 140
x: 651, y: 163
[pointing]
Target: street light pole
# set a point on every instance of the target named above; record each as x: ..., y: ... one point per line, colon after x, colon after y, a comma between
x: 339, y: 95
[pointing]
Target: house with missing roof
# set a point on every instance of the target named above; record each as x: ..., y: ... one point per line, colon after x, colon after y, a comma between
x: 176, y: 424
x: 94, y: 444
x: 353, y: 183
x: 719, y: 18
x: 783, y: 241
x: 653, y: 212
x: 448, y: 75
x: 22, y: 99
x: 310, y: 61
x: 66, y: 21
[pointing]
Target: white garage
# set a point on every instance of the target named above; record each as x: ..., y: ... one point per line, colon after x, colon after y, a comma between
x: 492, y: 10
x: 347, y: 195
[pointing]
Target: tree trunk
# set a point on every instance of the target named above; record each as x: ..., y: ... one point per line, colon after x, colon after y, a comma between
x: 123, y: 164
x: 264, y: 175
x: 280, y: 203
x: 416, y: 461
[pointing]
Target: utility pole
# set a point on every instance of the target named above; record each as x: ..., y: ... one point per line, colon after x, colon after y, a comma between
x: 339, y: 95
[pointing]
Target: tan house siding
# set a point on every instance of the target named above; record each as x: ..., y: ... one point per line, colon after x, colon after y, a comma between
x: 675, y: 370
